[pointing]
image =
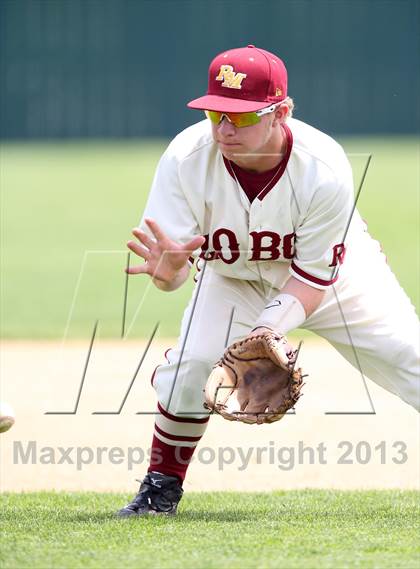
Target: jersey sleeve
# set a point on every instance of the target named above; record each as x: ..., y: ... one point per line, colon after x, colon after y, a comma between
x: 167, y: 203
x: 319, y: 241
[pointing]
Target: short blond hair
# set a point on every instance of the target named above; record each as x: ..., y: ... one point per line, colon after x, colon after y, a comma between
x: 289, y: 102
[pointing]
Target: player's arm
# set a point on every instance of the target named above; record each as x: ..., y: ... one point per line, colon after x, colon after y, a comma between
x: 289, y: 310
x: 164, y: 238
x: 308, y: 296
x: 316, y: 262
x: 166, y: 261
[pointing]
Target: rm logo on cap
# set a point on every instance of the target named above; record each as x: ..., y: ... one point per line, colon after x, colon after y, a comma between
x: 230, y: 78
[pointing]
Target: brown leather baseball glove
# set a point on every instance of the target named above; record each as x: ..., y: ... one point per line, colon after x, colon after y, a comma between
x: 255, y: 381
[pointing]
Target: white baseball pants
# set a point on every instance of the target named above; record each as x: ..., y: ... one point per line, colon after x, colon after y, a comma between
x: 366, y: 316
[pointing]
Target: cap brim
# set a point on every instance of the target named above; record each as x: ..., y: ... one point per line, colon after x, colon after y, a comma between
x: 226, y: 104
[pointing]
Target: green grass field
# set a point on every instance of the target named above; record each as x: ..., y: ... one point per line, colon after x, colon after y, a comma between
x: 66, y: 213
x: 61, y: 200
x: 297, y: 529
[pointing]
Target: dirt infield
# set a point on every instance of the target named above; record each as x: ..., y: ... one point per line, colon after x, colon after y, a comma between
x: 333, y: 440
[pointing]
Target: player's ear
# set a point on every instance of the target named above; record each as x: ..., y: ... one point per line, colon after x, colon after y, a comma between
x: 281, y: 113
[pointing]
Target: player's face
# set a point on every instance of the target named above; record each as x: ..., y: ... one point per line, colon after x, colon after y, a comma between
x: 245, y: 145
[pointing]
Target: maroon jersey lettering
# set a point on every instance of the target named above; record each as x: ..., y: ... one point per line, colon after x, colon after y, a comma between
x: 289, y: 245
x: 266, y: 246
x: 205, y: 253
x: 273, y: 247
x: 232, y: 245
x: 339, y: 252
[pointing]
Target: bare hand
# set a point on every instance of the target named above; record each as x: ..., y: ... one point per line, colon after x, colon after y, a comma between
x: 164, y: 258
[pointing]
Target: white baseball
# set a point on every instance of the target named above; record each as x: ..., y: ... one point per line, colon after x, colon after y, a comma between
x: 7, y: 417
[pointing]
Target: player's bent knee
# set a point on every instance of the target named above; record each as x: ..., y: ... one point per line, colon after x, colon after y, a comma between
x: 180, y: 387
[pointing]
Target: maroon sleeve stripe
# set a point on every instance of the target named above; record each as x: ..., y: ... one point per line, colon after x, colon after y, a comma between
x: 176, y: 437
x: 153, y: 375
x: 309, y: 277
x: 179, y: 419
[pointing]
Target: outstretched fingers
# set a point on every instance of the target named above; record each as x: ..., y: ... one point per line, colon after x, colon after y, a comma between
x: 138, y: 269
x: 194, y: 244
x: 143, y: 237
x: 155, y: 229
x: 161, y: 255
x: 139, y: 250
x: 161, y: 237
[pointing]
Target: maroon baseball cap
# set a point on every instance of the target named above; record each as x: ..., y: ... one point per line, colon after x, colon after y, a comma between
x: 243, y: 80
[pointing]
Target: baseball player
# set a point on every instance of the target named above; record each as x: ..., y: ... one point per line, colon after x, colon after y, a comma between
x: 262, y: 204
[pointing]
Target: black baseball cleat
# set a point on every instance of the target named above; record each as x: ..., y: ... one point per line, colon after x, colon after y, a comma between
x: 159, y: 494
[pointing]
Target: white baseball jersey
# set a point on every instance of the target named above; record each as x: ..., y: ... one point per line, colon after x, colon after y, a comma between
x: 297, y: 226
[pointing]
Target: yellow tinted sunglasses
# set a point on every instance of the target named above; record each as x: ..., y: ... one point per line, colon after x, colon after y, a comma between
x: 240, y: 119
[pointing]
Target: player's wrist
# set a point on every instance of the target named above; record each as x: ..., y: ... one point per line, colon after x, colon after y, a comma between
x: 282, y: 314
